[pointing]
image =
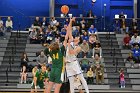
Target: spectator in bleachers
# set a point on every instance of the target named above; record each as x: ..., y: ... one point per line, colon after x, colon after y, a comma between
x: 117, y: 26
x: 54, y: 22
x: 90, y: 78
x: 66, y: 22
x: 130, y: 59
x: 24, y: 60
x: 57, y: 35
x: 48, y: 36
x: 85, y: 64
x: 63, y: 33
x: 2, y: 30
x: 83, y: 29
x: 54, y: 31
x: 121, y: 15
x: 23, y: 75
x: 90, y: 14
x: 97, y: 61
x: 134, y: 30
x: 1, y: 21
x: 92, y: 40
x: 9, y: 24
x: 85, y: 37
x: 136, y: 52
x: 97, y: 43
x: 134, y: 24
x: 76, y: 32
x: 85, y: 49
x: 126, y: 41
x: 122, y: 80
x: 97, y: 50
x: 135, y: 39
x: 41, y: 36
x: 42, y: 59
x: 37, y: 22
x: 123, y: 26
x: 83, y: 21
x: 98, y: 67
x: 99, y: 70
x: 34, y: 70
x: 90, y: 20
x: 92, y: 30
x: 44, y: 22
x: 33, y: 36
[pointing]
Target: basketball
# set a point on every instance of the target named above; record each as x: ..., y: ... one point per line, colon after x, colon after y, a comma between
x: 64, y: 9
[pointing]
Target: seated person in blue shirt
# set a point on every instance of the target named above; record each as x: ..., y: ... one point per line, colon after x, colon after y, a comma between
x: 116, y: 26
x: 136, y: 52
x: 66, y: 22
x: 92, y: 30
x: 48, y: 36
x: 62, y: 34
x: 75, y: 32
x: 85, y: 36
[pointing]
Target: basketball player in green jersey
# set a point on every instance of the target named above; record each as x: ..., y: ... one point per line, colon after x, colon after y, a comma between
x: 39, y: 78
x: 57, y: 67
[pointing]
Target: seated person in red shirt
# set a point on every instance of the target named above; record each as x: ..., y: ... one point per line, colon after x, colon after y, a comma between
x: 126, y: 41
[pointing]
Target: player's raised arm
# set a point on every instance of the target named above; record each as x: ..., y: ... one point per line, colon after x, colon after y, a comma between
x: 70, y: 28
x: 69, y: 31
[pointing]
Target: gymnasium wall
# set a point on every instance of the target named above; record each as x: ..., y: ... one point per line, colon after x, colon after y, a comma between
x: 138, y: 8
x: 22, y: 9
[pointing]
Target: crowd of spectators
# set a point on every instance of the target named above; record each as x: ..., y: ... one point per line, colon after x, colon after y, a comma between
x: 43, y: 32
x: 5, y: 26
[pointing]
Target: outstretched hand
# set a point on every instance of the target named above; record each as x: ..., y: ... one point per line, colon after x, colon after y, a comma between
x: 73, y: 19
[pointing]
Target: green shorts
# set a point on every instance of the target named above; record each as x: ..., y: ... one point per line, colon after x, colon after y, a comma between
x: 40, y: 84
x: 55, y: 75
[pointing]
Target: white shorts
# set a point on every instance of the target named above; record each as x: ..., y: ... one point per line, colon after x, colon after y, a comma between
x: 73, y: 68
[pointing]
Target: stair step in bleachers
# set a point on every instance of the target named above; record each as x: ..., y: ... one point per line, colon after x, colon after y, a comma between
x: 136, y: 65
x: 2, y: 49
x: 1, y: 54
x: 136, y: 87
x: 120, y: 35
x: 125, y: 51
x: 4, y: 41
x: 134, y: 76
x: 91, y: 87
x: 133, y: 71
x: 135, y: 81
x: 34, y: 46
x: 3, y: 45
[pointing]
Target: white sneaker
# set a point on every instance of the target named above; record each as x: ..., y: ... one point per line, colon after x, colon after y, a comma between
x: 21, y: 82
x: 24, y: 82
x: 121, y: 86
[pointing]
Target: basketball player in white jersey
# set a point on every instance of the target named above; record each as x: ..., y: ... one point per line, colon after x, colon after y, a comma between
x: 73, y: 68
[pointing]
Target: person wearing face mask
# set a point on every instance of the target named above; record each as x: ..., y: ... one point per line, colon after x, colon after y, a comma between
x: 42, y: 59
